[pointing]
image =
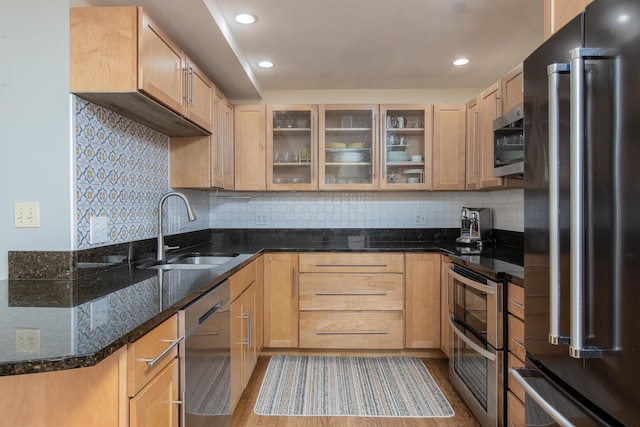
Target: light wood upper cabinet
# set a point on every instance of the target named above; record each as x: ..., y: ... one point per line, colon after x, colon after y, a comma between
x: 249, y: 128
x: 490, y: 108
x: 228, y: 147
x: 473, y: 146
x: 558, y: 12
x: 449, y: 146
x: 281, y: 300
x: 122, y: 60
x: 512, y: 85
x: 422, y: 300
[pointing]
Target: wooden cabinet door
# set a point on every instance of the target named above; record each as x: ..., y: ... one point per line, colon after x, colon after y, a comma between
x: 190, y: 165
x: 199, y: 92
x: 449, y: 146
x: 281, y: 300
x: 444, y: 304
x: 259, y: 309
x: 422, y: 300
x: 512, y: 88
x: 250, y: 147
x: 490, y: 108
x: 160, y: 65
x: 217, y: 141
x: 558, y: 12
x: 236, y: 351
x: 157, y: 404
x: 228, y: 147
x: 473, y: 146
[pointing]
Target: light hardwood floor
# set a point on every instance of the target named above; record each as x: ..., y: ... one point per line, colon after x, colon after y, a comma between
x: 244, y: 416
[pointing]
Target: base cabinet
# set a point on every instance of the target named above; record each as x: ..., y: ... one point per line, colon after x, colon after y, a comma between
x: 156, y: 404
x: 444, y: 304
x: 422, y: 300
x: 281, y: 300
x: 516, y: 354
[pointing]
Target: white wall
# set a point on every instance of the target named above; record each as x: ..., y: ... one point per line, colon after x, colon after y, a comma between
x: 35, y: 165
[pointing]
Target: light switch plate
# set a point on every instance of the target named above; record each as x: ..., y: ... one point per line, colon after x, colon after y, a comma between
x: 26, y: 215
x: 99, y: 229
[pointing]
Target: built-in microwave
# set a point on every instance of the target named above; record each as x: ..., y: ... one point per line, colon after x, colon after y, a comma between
x: 508, y: 144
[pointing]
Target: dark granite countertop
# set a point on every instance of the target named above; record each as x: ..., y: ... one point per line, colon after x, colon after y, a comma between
x: 79, y: 321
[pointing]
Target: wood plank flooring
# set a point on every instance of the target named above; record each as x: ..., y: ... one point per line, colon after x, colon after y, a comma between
x: 244, y: 416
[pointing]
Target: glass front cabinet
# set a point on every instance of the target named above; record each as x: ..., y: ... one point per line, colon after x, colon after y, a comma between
x: 292, y: 147
x: 406, y: 146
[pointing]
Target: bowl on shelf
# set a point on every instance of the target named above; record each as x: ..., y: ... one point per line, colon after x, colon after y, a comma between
x: 397, y: 156
x: 348, y: 156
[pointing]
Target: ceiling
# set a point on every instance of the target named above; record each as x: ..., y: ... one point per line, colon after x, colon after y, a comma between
x: 350, y: 44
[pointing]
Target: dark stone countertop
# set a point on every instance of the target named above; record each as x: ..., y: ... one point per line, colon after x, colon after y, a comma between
x: 79, y: 321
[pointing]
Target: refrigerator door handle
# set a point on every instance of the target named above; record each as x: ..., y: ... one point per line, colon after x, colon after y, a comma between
x: 577, y: 349
x: 553, y: 74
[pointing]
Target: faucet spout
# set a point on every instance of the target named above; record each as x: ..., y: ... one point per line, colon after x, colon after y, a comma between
x: 161, y: 256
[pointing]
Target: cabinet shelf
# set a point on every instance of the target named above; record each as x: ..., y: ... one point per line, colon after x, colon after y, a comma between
x: 291, y: 129
x: 306, y: 164
x: 405, y: 130
x: 348, y: 129
x: 407, y: 163
x: 348, y: 163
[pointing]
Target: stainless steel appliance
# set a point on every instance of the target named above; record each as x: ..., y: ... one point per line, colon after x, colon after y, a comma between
x: 476, y: 362
x: 582, y: 195
x: 206, y: 370
x: 508, y: 143
x: 475, y: 224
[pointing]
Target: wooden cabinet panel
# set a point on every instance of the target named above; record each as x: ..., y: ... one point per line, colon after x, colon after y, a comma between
x: 444, y: 304
x: 473, y: 146
x: 281, y: 300
x: 352, y: 329
x: 190, y: 165
x: 516, y: 336
x: 242, y: 280
x: 515, y: 299
x: 449, y: 146
x: 229, y: 147
x: 512, y: 89
x: 422, y: 303
x: 244, y: 353
x: 490, y: 107
x: 341, y: 262
x: 250, y: 147
x: 558, y: 12
x: 515, y: 411
x: 199, y: 95
x: 157, y: 404
x: 512, y: 384
x: 351, y: 291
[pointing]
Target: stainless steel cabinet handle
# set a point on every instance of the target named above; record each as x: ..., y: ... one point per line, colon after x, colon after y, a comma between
x: 518, y: 305
x: 346, y: 293
x: 152, y: 362
x: 351, y: 265
x: 518, y: 343
x: 206, y: 334
x: 249, y: 328
x: 475, y: 347
x: 352, y: 333
x: 553, y: 74
x: 546, y: 407
x: 491, y: 290
x: 191, y: 78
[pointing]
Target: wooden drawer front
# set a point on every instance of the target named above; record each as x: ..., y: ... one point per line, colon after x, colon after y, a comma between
x: 515, y: 411
x: 358, y: 330
x: 357, y: 291
x: 516, y: 337
x: 149, y: 348
x: 352, y: 262
x: 513, y: 385
x: 515, y: 297
x: 241, y: 280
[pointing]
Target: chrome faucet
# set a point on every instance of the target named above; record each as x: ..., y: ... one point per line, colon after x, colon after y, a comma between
x: 190, y: 213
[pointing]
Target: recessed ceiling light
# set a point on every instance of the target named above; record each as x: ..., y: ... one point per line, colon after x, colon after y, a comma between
x: 245, y: 18
x: 265, y: 64
x: 623, y: 18
x: 461, y: 61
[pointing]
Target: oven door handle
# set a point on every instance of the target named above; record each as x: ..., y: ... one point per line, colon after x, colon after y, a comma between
x: 483, y: 352
x: 491, y: 290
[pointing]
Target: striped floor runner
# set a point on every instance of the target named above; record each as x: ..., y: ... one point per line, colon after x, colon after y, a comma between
x: 350, y: 386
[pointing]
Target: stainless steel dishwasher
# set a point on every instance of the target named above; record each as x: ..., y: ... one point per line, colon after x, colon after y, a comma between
x: 205, y: 378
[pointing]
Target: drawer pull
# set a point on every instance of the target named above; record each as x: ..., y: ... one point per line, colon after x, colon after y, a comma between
x: 518, y: 343
x: 352, y: 333
x: 518, y: 305
x: 351, y: 265
x: 152, y: 362
x: 367, y: 293
x: 206, y: 334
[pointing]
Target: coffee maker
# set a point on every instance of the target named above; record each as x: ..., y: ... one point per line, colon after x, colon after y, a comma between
x: 475, y: 224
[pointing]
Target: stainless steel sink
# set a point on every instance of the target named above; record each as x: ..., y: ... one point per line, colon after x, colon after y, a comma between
x: 192, y: 262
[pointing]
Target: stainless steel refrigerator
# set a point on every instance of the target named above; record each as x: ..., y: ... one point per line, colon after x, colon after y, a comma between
x: 582, y: 221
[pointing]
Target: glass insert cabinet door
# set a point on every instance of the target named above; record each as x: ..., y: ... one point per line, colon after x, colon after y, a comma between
x: 406, y: 146
x: 348, y: 151
x: 292, y: 147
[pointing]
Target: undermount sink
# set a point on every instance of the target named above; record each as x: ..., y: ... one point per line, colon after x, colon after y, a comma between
x: 193, y: 262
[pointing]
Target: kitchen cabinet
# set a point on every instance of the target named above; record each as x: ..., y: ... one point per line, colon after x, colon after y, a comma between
x: 422, y: 300
x: 406, y: 147
x: 292, y: 147
x: 122, y: 60
x: 489, y: 108
x: 246, y: 325
x: 228, y: 146
x: 449, y: 139
x: 249, y: 135
x: 351, y: 300
x: 281, y: 300
x: 348, y: 147
x: 558, y: 12
x: 516, y: 355
x: 444, y: 304
x: 472, y: 146
x: 157, y: 403
x: 512, y: 86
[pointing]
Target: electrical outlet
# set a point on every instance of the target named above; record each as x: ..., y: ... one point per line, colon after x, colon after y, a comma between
x: 27, y: 340
x: 26, y: 215
x: 420, y: 219
x: 99, y: 229
x: 262, y: 219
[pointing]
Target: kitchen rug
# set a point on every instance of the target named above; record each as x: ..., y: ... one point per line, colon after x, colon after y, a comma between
x: 350, y: 386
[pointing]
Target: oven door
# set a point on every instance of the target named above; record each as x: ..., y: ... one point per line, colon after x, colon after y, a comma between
x: 476, y: 370
x: 476, y: 301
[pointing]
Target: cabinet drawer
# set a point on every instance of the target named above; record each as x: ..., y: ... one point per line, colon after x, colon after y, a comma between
x: 360, y: 330
x: 516, y: 336
x: 351, y: 291
x: 241, y: 280
x: 515, y: 411
x: 352, y: 262
x: 513, y: 385
x: 515, y: 297
x: 150, y: 348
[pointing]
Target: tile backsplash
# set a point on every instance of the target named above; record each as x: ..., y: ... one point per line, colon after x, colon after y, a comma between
x: 122, y: 170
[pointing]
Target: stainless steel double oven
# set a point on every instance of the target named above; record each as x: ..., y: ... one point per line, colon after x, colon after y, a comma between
x: 476, y: 356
